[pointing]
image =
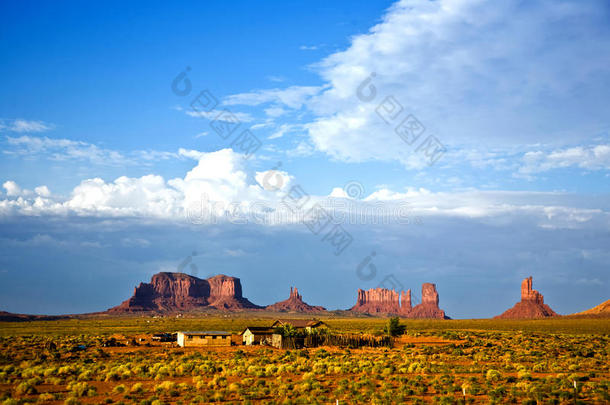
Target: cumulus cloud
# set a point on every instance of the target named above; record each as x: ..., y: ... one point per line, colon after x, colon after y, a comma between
x: 43, y: 191
x: 475, y: 74
x: 468, y: 73
x: 12, y: 189
x: 219, y: 177
x: 221, y: 187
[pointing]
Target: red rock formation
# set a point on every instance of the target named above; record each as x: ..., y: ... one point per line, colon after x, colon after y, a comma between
x: 405, y: 301
x: 181, y: 292
x: 531, y: 305
x: 384, y: 301
x: 294, y: 303
x: 429, y: 304
x: 376, y: 301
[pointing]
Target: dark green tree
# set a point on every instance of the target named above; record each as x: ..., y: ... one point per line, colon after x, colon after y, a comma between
x: 394, y: 328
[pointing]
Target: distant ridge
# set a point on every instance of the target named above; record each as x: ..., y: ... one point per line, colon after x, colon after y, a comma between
x: 601, y: 310
x: 10, y: 317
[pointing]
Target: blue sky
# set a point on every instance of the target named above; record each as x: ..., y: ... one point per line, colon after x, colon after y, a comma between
x: 105, y: 167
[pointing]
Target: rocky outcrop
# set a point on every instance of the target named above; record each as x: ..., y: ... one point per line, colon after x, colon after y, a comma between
x: 429, y: 304
x: 377, y: 301
x: 384, y: 301
x: 531, y: 305
x: 169, y: 292
x: 294, y: 303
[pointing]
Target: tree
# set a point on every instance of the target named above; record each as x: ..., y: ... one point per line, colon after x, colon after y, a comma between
x: 394, y: 328
x: 288, y: 330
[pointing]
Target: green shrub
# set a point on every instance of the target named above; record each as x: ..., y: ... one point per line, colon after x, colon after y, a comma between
x: 137, y: 388
x: 81, y: 389
x: 25, y: 388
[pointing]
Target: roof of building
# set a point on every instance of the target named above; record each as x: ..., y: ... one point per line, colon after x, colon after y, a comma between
x: 264, y: 330
x: 206, y: 332
x: 299, y: 323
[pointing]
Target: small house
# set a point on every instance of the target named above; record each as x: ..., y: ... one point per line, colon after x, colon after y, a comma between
x: 256, y: 334
x: 307, y: 324
x: 205, y: 338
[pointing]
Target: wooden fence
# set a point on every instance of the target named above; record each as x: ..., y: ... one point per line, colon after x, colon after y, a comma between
x: 342, y: 340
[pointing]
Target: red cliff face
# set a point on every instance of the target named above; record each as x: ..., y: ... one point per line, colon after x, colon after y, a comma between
x: 181, y: 292
x: 384, y: 301
x: 531, y: 305
x: 429, y: 304
x: 529, y: 294
x: 294, y: 303
x: 377, y: 300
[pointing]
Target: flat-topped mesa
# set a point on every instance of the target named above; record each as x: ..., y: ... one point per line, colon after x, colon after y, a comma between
x: 531, y: 305
x: 383, y: 301
x: 181, y: 292
x: 377, y: 300
x: 294, y: 303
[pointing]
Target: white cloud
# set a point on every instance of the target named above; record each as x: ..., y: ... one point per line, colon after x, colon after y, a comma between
x: 308, y: 47
x: 25, y: 126
x: 282, y: 130
x: 266, y: 124
x: 277, y: 79
x: 221, y: 188
x: 472, y: 72
x: 234, y: 252
x: 62, y: 149
x: 303, y: 149
x: 338, y: 192
x: 135, y: 242
x: 40, y: 240
x: 217, y: 115
x: 292, y: 97
x: 590, y: 158
x: 12, y: 189
x: 218, y: 177
x: 154, y: 155
x: 275, y: 112
x: 42, y: 191
x: 272, y: 180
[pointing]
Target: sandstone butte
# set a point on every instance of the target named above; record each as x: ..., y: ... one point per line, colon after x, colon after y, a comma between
x: 384, y: 301
x: 294, y: 303
x: 182, y: 292
x: 531, y: 305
